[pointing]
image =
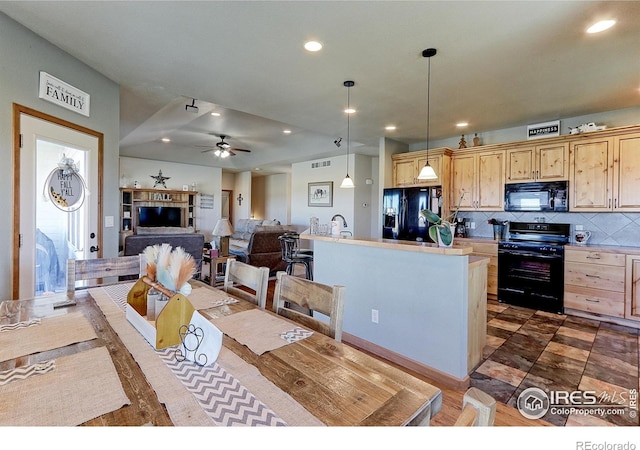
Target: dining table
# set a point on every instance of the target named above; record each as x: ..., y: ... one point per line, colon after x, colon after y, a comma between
x: 77, y: 360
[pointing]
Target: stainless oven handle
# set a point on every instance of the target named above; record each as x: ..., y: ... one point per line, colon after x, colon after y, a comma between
x: 528, y: 254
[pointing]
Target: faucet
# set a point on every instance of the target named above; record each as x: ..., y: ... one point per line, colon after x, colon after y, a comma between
x: 344, y: 222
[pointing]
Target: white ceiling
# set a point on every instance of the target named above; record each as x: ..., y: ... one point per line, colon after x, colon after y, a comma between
x: 499, y: 65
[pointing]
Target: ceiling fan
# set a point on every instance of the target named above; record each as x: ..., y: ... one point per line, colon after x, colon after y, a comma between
x: 223, y: 149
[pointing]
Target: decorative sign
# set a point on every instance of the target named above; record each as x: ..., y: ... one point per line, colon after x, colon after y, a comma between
x: 63, y: 94
x: 65, y: 187
x: 542, y: 130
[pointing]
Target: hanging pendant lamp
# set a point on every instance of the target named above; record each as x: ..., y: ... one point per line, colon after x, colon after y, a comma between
x: 348, y: 182
x: 427, y: 172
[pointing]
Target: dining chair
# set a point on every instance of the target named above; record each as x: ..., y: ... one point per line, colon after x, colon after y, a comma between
x: 97, y: 269
x: 478, y: 409
x: 300, y: 299
x: 238, y: 275
x: 291, y: 255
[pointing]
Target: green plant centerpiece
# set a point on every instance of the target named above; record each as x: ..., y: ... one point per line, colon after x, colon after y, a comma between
x: 441, y: 229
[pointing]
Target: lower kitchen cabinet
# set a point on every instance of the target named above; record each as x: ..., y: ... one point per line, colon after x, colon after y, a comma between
x: 594, y: 282
x: 632, y: 294
x: 489, y: 250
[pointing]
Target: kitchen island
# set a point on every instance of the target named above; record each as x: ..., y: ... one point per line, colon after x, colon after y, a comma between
x: 416, y: 304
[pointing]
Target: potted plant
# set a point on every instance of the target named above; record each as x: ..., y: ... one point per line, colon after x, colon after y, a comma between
x: 441, y: 230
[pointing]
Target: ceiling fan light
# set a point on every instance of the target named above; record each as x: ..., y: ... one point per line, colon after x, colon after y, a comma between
x: 224, y: 153
x: 217, y: 152
x: 347, y: 182
x: 427, y: 173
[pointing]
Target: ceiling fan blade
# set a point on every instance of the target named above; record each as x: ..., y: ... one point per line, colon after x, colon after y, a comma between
x: 240, y: 150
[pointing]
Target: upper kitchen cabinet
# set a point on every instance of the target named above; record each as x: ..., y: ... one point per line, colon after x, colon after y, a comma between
x: 480, y: 176
x: 537, y: 163
x: 605, y: 173
x: 407, y: 166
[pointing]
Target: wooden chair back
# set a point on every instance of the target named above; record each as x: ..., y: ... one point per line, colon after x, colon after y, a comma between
x: 241, y: 274
x: 310, y: 297
x: 478, y: 409
x: 97, y: 269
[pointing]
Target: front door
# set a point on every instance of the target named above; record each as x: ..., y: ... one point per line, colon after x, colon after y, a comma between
x: 48, y: 232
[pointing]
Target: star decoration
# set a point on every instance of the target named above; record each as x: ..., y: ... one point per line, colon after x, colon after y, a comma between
x: 159, y: 179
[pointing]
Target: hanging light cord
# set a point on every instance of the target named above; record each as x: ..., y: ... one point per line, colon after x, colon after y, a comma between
x: 428, y: 102
x: 348, y: 125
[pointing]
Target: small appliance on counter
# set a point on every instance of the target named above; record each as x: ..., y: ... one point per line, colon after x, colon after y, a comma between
x: 462, y: 227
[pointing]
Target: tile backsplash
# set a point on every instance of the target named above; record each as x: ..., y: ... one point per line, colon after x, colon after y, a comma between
x: 606, y: 228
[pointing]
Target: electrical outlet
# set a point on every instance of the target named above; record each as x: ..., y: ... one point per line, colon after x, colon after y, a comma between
x: 472, y: 225
x: 374, y: 315
x: 579, y: 228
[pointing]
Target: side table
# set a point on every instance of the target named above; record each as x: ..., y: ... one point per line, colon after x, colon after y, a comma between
x: 216, y: 277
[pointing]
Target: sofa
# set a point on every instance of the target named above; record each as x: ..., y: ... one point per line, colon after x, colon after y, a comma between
x: 255, y: 242
x: 187, y: 238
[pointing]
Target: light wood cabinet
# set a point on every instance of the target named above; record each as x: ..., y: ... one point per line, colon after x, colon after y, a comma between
x: 480, y: 176
x: 488, y: 250
x: 537, y: 163
x: 626, y: 174
x: 407, y: 166
x: 595, y: 282
x: 632, y: 288
x: 605, y: 174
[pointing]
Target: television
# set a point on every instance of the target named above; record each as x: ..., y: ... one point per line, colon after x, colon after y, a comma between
x: 159, y: 216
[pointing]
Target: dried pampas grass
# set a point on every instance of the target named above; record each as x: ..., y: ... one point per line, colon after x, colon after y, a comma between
x: 183, y: 266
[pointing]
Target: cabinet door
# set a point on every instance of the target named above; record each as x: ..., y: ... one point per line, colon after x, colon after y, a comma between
x: 404, y: 172
x: 626, y: 188
x: 490, y: 175
x: 551, y: 162
x: 463, y: 180
x: 591, y: 164
x: 436, y: 163
x: 632, y: 288
x: 520, y: 165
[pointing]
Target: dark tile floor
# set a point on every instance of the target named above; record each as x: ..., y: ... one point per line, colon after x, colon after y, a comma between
x: 527, y: 348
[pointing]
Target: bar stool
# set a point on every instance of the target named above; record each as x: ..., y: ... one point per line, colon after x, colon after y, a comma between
x: 290, y: 255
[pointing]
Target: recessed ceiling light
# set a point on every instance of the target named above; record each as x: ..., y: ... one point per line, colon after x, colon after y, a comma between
x: 462, y: 124
x: 390, y: 128
x: 286, y: 131
x: 217, y: 114
x: 350, y: 110
x: 601, y: 26
x: 166, y: 140
x: 313, y: 46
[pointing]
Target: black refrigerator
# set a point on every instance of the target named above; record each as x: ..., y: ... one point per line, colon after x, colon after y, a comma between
x: 401, y: 212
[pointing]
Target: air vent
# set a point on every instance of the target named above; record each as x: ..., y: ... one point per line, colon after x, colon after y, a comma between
x: 317, y: 165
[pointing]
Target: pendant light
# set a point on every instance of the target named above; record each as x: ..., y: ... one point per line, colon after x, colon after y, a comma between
x: 348, y: 182
x: 427, y: 172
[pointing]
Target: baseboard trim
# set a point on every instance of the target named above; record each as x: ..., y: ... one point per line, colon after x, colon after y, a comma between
x: 602, y: 318
x: 407, y: 363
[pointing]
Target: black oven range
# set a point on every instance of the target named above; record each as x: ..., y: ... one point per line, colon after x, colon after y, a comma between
x: 531, y: 265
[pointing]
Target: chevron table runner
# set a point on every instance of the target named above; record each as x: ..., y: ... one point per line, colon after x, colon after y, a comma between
x: 221, y: 395
x: 230, y: 392
x: 200, y: 298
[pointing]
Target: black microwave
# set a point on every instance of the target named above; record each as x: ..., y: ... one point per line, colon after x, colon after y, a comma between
x: 546, y: 196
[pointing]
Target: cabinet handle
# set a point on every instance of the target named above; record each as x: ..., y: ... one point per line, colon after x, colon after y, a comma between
x: 592, y: 301
x: 609, y: 204
x: 615, y: 203
x: 596, y: 256
x: 592, y: 276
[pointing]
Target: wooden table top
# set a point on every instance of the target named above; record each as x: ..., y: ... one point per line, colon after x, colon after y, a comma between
x: 336, y: 383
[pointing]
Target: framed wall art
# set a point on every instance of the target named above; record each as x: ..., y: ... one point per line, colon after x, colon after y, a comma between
x: 321, y: 193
